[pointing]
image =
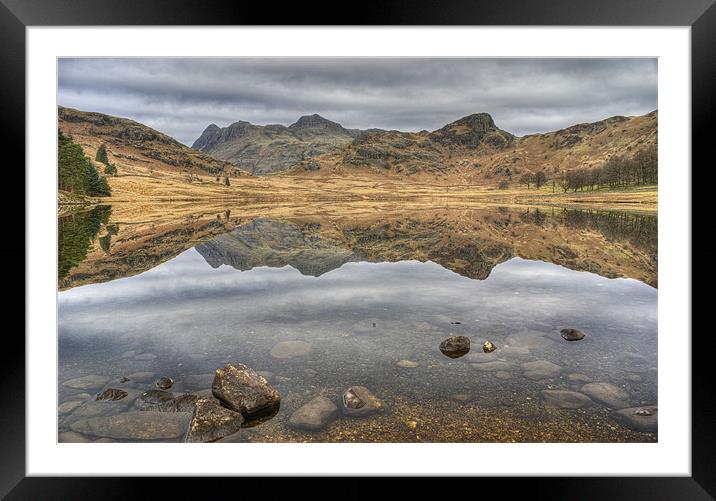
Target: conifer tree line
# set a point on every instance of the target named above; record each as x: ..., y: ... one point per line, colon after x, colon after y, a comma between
x: 77, y: 174
x: 617, y: 172
x: 109, y: 168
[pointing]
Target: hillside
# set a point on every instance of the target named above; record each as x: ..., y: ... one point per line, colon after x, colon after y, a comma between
x: 270, y: 148
x: 137, y: 149
x: 473, y: 150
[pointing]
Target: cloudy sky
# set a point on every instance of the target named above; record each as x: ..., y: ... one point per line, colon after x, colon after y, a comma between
x: 180, y: 97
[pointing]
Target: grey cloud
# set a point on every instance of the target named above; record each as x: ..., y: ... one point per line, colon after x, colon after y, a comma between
x: 181, y: 96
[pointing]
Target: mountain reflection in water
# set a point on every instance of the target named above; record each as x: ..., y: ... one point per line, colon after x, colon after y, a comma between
x: 370, y: 297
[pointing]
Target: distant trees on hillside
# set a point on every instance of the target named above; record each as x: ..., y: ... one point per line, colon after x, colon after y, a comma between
x: 527, y: 178
x: 76, y: 173
x: 617, y: 172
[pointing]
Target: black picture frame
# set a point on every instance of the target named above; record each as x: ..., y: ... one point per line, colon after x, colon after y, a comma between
x: 16, y: 15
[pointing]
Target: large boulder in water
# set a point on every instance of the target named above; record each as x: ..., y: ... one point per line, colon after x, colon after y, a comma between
x: 211, y: 421
x: 242, y: 390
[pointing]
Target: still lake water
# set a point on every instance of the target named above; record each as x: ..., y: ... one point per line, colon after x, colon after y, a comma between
x: 369, y: 299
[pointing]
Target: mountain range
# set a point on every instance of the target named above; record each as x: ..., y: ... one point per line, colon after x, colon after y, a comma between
x: 473, y: 146
x: 470, y: 150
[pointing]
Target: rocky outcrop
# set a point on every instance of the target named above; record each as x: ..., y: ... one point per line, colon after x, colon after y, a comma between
x: 472, y: 131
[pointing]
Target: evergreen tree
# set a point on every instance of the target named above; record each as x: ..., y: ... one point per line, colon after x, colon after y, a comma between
x: 101, y: 155
x: 76, y: 172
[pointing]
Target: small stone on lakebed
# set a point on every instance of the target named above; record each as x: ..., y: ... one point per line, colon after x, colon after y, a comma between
x: 571, y: 334
x: 358, y: 401
x: 407, y: 364
x: 488, y: 347
x: 455, y: 346
x: 164, y: 383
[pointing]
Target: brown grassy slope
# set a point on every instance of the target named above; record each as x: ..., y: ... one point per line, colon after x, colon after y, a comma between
x: 137, y: 149
x: 430, y: 158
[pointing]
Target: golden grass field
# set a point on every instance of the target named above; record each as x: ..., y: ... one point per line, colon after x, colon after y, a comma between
x: 287, y: 190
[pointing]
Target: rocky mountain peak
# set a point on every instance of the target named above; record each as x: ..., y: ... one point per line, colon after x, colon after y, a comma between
x: 481, y: 122
x: 473, y: 131
x: 314, y: 121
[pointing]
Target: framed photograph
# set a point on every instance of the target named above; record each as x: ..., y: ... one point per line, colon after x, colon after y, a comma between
x: 437, y: 242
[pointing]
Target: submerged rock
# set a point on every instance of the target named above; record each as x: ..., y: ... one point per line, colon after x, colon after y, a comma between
x: 89, y: 382
x: 164, y: 383
x: 182, y: 403
x: 645, y: 418
x: 67, y: 407
x: 541, y: 369
x: 407, y: 364
x: 290, y: 349
x: 488, y: 347
x: 136, y: 425
x: 153, y: 400
x: 111, y: 394
x: 315, y: 415
x: 242, y: 390
x: 565, y: 399
x: 145, y: 356
x: 211, y: 422
x: 455, y: 346
x: 358, y: 401
x: 72, y: 437
x: 571, y: 334
x: 578, y: 378
x: 608, y: 394
x: 141, y: 377
x: 92, y: 408
x: 503, y: 375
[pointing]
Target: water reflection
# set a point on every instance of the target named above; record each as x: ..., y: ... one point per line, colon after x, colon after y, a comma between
x: 77, y: 231
x: 468, y: 241
x: 320, y: 304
